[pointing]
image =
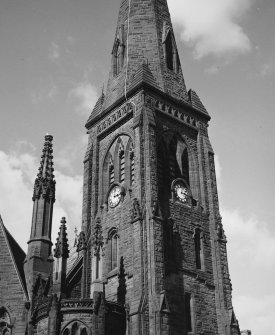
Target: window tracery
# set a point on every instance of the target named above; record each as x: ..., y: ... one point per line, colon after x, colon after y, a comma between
x: 75, y: 328
x: 132, y: 165
x: 111, y: 171
x: 121, y: 163
x: 118, y: 165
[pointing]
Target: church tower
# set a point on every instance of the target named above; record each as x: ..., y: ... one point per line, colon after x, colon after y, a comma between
x: 154, y: 240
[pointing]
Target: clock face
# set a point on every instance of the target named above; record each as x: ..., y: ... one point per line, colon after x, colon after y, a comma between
x: 181, y: 192
x: 114, y: 196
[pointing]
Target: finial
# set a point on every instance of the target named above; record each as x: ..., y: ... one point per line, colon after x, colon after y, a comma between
x: 61, y: 246
x: 44, y: 184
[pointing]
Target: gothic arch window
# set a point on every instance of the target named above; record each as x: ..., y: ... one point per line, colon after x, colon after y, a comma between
x: 97, y: 265
x: 171, y: 53
x: 188, y: 306
x: 132, y: 164
x: 118, y: 165
x: 111, y: 171
x: 113, y: 249
x: 198, y: 236
x: 178, y: 160
x: 121, y: 157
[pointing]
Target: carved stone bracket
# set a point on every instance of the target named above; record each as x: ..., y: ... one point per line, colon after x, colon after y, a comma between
x: 82, y: 243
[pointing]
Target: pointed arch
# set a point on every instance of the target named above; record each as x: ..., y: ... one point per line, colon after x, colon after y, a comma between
x: 76, y: 327
x: 111, y: 170
x: 130, y: 162
x: 176, y: 159
x: 83, y: 332
x: 116, y: 163
x: 113, y: 249
x: 171, y: 52
x: 189, y: 312
x: 121, y: 164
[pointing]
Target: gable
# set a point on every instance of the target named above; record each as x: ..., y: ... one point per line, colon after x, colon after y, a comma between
x: 12, y: 264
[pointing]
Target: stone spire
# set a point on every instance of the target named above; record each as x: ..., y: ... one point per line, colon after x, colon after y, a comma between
x: 144, y: 35
x: 39, y: 258
x: 61, y: 245
x: 44, y: 183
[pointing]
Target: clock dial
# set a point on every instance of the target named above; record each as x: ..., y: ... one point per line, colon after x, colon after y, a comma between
x: 181, y: 192
x: 114, y: 196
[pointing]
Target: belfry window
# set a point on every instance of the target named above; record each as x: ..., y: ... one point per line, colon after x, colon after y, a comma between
x: 169, y: 52
x: 111, y: 172
x: 132, y: 166
x: 121, y: 164
x: 118, y: 166
x: 178, y: 160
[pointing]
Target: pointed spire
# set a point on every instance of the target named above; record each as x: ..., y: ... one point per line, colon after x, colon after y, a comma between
x: 61, y: 245
x: 144, y: 36
x: 44, y: 183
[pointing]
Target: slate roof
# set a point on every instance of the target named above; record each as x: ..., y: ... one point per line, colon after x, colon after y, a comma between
x: 196, y: 102
x: 98, y: 108
x: 143, y: 75
x: 18, y: 255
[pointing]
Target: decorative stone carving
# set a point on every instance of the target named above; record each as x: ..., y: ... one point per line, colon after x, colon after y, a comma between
x: 115, y: 117
x: 97, y: 238
x: 136, y: 212
x: 178, y: 114
x: 82, y: 243
x: 44, y: 183
x: 61, y: 246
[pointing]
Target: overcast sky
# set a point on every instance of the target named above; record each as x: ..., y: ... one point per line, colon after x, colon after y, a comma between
x: 55, y: 57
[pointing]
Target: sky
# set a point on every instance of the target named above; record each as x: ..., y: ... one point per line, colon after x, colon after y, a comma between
x: 54, y: 61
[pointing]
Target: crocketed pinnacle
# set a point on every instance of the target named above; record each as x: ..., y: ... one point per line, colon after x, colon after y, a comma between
x: 61, y: 245
x: 44, y: 183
